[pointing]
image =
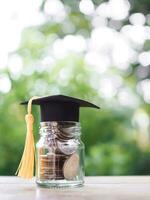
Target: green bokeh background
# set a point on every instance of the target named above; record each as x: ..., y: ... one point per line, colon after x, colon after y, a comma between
x: 115, y: 143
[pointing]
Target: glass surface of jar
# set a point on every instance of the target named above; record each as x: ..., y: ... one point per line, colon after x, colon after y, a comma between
x: 60, y: 155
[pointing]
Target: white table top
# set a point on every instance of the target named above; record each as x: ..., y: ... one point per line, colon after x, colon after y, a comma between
x: 95, y: 188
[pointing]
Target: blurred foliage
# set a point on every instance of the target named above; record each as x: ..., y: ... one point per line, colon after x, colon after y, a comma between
x: 112, y: 138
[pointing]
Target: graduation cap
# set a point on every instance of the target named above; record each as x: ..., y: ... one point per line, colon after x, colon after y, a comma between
x: 60, y: 107
x: 53, y: 108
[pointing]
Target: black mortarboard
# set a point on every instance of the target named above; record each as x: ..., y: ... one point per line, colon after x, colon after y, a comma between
x: 60, y: 107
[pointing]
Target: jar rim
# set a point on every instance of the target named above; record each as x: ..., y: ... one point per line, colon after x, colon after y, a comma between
x: 55, y: 123
x: 67, y: 127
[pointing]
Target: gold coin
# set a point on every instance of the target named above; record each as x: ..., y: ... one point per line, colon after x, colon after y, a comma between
x: 71, y: 166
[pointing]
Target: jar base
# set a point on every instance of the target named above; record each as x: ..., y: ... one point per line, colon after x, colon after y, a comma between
x: 59, y: 183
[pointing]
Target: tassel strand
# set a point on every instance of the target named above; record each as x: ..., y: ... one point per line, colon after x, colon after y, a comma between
x: 26, y: 166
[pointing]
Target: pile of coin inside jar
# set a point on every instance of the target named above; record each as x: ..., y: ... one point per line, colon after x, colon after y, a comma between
x: 61, y: 160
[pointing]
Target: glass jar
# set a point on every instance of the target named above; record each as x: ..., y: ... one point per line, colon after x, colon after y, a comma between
x: 60, y: 155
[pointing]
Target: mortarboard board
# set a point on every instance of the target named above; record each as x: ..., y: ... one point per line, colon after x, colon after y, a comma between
x: 60, y: 107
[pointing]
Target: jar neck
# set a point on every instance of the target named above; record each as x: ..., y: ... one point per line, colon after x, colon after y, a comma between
x: 62, y: 129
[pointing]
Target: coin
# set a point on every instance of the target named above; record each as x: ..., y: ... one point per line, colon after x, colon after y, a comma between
x: 69, y: 131
x: 71, y: 166
x: 47, y: 166
x: 68, y: 147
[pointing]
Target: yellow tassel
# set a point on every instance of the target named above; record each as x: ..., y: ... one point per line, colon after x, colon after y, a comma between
x: 26, y: 166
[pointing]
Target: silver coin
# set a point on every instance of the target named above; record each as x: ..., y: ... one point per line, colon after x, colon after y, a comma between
x: 71, y: 166
x: 68, y: 147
